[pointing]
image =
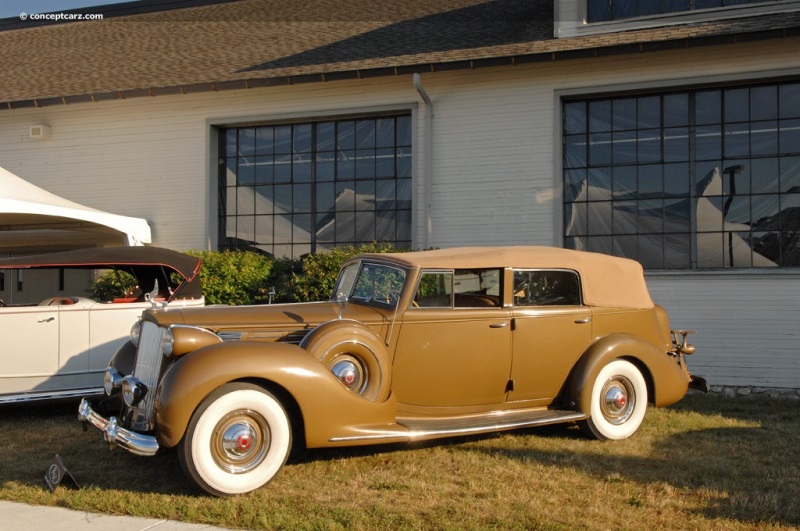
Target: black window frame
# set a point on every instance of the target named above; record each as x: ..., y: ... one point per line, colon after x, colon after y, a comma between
x: 743, y: 139
x: 298, y: 187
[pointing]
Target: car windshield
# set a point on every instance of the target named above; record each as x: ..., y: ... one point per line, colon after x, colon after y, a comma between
x: 371, y: 283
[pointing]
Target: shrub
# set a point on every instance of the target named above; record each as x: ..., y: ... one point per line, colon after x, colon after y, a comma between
x: 284, y: 271
x: 111, y: 284
x: 234, y: 277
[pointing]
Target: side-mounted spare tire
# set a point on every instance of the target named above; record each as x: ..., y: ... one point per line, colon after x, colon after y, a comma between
x: 355, y: 355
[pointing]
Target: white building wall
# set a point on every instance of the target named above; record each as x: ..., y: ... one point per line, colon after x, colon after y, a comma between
x: 748, y: 325
x: 496, y: 172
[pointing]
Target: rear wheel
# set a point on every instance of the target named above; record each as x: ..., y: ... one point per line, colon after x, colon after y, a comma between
x: 618, y: 403
x: 237, y: 440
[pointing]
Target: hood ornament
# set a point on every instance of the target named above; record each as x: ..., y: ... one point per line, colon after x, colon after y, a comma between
x: 151, y: 297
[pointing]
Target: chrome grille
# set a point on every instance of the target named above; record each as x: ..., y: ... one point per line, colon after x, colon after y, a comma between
x: 149, y: 360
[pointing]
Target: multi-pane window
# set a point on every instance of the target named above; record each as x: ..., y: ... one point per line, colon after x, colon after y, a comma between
x: 604, y: 10
x: 706, y: 178
x: 295, y: 188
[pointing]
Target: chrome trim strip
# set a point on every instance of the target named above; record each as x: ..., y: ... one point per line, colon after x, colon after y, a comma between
x: 33, y: 396
x: 135, y: 443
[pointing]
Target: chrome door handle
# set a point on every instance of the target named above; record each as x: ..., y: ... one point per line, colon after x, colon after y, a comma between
x: 584, y: 320
x: 499, y: 325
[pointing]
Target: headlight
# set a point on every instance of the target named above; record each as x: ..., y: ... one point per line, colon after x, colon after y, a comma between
x: 133, y: 391
x: 167, y: 341
x: 112, y: 381
x: 187, y: 339
x: 136, y: 332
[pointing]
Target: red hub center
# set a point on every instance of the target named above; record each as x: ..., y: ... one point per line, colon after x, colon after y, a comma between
x: 620, y: 401
x: 244, y: 442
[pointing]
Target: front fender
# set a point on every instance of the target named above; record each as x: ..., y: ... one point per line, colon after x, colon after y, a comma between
x: 667, y: 380
x: 124, y: 359
x: 328, y: 409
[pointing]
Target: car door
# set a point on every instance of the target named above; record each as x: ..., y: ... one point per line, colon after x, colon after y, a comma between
x: 454, y: 345
x: 551, y: 330
x: 109, y: 329
x: 29, y: 341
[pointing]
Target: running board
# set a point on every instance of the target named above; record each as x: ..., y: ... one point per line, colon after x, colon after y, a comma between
x: 420, y: 428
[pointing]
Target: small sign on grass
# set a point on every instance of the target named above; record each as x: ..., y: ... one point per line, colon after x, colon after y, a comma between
x: 57, y: 473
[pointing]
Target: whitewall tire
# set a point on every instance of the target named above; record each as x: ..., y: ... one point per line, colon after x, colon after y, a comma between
x: 237, y: 440
x: 618, y: 402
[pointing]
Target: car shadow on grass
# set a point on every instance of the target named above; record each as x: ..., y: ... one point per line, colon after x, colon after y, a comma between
x: 748, y: 474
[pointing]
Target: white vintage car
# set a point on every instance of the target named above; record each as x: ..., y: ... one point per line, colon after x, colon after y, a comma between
x: 60, y: 346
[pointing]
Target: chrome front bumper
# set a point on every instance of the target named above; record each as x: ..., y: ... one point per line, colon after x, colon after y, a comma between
x: 135, y: 443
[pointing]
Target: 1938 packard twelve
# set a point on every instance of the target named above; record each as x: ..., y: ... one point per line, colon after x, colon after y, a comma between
x: 411, y: 346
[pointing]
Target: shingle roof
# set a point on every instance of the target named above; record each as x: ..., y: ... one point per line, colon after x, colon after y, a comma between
x: 250, y: 43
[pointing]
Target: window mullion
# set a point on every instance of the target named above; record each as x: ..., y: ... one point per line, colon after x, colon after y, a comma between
x: 692, y: 181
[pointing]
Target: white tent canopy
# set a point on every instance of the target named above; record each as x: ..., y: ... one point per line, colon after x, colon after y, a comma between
x: 33, y: 219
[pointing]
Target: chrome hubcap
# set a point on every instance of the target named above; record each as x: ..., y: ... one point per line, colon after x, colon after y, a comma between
x: 617, y: 400
x: 241, y: 441
x: 350, y: 372
x: 238, y: 440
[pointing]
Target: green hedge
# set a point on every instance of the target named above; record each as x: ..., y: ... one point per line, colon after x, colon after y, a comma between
x: 246, y: 277
x: 234, y: 277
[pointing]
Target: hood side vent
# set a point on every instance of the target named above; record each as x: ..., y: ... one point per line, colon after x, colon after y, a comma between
x: 230, y: 336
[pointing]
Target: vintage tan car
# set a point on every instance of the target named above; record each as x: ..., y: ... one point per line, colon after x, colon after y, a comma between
x: 412, y: 346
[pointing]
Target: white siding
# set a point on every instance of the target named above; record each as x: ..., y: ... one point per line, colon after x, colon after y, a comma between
x: 748, y: 325
x: 496, y: 172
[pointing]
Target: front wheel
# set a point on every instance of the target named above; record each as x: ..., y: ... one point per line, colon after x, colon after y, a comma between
x: 237, y: 440
x: 618, y: 403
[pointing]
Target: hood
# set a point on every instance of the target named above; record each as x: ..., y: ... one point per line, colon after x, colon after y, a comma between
x: 268, y: 322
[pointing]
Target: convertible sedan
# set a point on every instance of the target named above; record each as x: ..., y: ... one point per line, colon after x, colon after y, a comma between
x: 59, y: 346
x: 411, y: 346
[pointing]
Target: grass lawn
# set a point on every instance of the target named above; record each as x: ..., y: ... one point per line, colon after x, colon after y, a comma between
x: 707, y: 462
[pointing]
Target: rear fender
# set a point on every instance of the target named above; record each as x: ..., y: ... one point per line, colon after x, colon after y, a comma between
x: 666, y: 381
x: 328, y: 409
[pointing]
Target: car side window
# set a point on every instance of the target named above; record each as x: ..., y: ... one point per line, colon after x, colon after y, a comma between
x: 462, y: 288
x: 547, y: 288
x: 435, y: 290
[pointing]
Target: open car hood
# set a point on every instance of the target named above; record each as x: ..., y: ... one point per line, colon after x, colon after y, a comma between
x: 177, y: 271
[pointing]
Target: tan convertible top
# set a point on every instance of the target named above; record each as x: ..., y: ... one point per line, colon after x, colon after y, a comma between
x: 607, y: 280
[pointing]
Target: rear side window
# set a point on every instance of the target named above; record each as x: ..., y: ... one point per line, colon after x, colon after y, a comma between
x: 547, y: 288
